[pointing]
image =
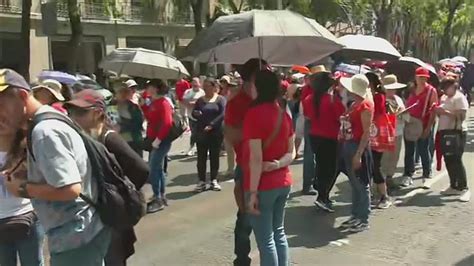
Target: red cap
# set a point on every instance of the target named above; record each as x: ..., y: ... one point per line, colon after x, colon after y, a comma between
x: 422, y: 72
x: 88, y: 98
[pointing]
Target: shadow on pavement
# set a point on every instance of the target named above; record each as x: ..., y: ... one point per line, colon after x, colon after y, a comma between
x: 180, y: 195
x: 469, y: 261
x: 307, y: 227
x: 427, y: 200
x: 183, y: 180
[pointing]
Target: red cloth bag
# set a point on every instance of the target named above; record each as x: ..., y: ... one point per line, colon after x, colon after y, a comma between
x: 382, y: 133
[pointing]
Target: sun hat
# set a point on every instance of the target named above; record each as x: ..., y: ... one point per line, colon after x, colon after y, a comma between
x: 390, y: 82
x: 358, y: 84
x: 422, y: 72
x: 53, y: 86
x: 317, y: 69
x: 88, y: 98
x: 10, y: 78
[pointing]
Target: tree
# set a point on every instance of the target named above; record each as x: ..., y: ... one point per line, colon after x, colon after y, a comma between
x: 383, y: 11
x: 76, y: 34
x: 25, y: 39
x: 196, y: 6
x: 446, y: 48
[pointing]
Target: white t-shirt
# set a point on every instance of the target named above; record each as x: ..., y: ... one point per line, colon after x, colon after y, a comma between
x: 192, y: 96
x: 397, y: 104
x: 455, y: 103
x: 9, y: 205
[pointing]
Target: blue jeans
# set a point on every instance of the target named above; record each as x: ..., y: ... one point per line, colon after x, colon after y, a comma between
x: 157, y: 173
x: 359, y: 180
x: 242, y: 230
x: 91, y: 254
x: 422, y: 147
x: 268, y: 227
x: 29, y: 250
x: 309, y: 163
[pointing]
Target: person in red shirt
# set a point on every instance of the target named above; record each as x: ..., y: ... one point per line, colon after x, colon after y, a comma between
x: 424, y: 98
x: 181, y: 87
x: 268, y: 151
x: 235, y: 112
x: 160, y: 121
x: 380, y: 109
x: 355, y: 133
x: 324, y: 110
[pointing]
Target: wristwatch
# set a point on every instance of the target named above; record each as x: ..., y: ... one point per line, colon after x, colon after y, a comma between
x: 22, y: 192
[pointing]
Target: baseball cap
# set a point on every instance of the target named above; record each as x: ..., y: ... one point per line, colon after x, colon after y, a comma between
x: 53, y: 86
x: 422, y: 72
x: 10, y: 78
x: 131, y: 83
x: 88, y: 98
x: 231, y: 81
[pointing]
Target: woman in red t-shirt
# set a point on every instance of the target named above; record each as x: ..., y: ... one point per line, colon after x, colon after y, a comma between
x: 268, y: 150
x: 159, y: 117
x: 355, y: 135
x: 324, y: 110
x: 380, y: 109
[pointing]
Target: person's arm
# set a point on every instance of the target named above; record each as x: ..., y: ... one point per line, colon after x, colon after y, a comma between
x: 432, y: 103
x: 218, y: 120
x: 197, y: 109
x: 285, y: 160
x: 166, y: 118
x: 137, y: 117
x: 366, y: 117
x: 133, y: 166
x: 256, y: 163
x: 44, y: 191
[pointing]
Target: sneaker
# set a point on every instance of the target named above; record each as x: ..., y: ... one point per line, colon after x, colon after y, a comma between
x: 200, y: 187
x: 385, y: 203
x: 215, y: 186
x: 310, y: 192
x: 326, y: 206
x: 450, y: 192
x: 348, y: 223
x: 154, y: 206
x: 426, y: 183
x: 406, y: 181
x: 465, y: 196
x: 164, y: 200
x: 359, y: 227
x: 190, y: 153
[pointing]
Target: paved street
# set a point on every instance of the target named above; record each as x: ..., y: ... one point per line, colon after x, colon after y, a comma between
x: 423, y: 229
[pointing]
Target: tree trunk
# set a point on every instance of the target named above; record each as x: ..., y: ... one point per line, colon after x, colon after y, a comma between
x: 76, y: 34
x: 407, y: 37
x: 458, y: 41
x: 25, y: 39
x: 196, y: 5
x: 446, y: 49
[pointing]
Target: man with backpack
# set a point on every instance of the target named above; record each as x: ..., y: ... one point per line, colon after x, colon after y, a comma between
x: 59, y: 175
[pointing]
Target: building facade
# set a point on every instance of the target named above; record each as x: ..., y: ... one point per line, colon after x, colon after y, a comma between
x: 128, y: 23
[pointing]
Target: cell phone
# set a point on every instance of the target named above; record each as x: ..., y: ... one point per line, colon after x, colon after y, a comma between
x: 17, y: 165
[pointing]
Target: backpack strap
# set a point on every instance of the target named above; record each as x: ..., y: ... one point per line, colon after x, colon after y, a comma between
x: 276, y: 130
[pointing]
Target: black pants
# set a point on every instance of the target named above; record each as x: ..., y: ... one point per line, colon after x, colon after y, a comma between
x: 327, y: 163
x: 455, y: 167
x: 242, y: 232
x: 378, y: 176
x: 208, y: 143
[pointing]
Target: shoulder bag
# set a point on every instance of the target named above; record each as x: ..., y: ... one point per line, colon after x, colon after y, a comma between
x: 414, y: 127
x: 451, y: 141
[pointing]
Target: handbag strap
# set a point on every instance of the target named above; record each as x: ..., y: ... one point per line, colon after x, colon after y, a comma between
x: 275, y: 131
x: 427, y: 101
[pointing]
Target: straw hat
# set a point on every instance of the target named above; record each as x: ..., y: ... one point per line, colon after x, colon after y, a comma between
x: 358, y: 84
x: 317, y: 69
x: 53, y: 86
x: 390, y: 82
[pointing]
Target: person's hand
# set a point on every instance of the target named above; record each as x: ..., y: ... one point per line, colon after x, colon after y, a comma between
x: 271, y: 166
x: 156, y: 143
x: 208, y: 128
x: 356, y: 162
x: 253, y: 204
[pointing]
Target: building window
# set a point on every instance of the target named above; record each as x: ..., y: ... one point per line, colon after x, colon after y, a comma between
x: 152, y: 43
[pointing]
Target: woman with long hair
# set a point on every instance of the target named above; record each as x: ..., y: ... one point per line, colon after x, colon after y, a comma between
x: 355, y: 135
x: 268, y: 151
x: 25, y: 244
x: 87, y: 108
x: 159, y: 116
x: 324, y: 110
x: 209, y: 114
x: 378, y: 94
x: 452, y: 121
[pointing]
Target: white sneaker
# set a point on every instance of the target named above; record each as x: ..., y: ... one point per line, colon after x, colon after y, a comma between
x: 190, y: 153
x: 215, y: 186
x: 200, y: 187
x: 465, y: 196
x: 450, y: 192
x: 426, y: 184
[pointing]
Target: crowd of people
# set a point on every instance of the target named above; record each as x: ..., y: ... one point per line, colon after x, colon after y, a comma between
x: 350, y: 124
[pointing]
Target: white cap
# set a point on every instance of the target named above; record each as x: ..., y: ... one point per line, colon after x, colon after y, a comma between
x: 131, y: 83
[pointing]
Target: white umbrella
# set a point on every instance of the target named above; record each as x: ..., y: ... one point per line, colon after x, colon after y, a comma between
x: 459, y: 58
x: 144, y: 63
x: 362, y: 47
x: 281, y: 37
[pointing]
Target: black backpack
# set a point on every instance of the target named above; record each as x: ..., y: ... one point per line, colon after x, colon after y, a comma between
x: 178, y: 127
x: 120, y: 205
